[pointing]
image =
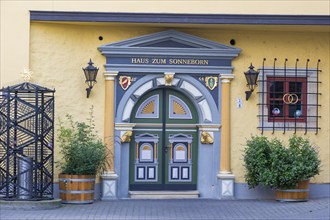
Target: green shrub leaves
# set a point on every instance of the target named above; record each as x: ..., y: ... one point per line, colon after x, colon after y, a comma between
x: 270, y: 163
x: 83, y: 151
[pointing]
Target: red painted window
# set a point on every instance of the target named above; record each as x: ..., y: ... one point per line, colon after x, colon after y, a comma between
x: 287, y: 99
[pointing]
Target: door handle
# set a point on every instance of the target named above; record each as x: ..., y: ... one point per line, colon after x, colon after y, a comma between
x: 167, y: 147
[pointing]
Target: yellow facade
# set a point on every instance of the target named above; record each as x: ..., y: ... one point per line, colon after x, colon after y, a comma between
x: 70, y: 46
x: 15, y: 23
x: 56, y: 52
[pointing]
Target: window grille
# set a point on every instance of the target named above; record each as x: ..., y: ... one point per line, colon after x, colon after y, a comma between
x: 289, y: 98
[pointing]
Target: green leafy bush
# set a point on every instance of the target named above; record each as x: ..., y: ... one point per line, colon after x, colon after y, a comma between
x: 270, y: 163
x: 82, y: 150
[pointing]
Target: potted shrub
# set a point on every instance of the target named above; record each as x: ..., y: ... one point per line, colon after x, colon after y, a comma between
x: 83, y: 155
x: 286, y: 169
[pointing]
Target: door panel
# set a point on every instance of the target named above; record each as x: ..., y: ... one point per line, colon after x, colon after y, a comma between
x: 181, y: 158
x: 145, y: 166
x: 163, y: 152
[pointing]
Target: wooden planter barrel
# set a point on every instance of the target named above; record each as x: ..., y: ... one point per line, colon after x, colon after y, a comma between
x: 298, y: 194
x: 77, y: 189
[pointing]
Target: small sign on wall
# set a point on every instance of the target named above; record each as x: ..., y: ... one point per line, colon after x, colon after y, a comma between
x: 239, y: 103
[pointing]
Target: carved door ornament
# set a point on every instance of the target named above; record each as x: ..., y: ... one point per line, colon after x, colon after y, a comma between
x: 126, y: 137
x: 206, y: 138
x: 125, y: 82
x: 168, y: 78
x: 211, y: 82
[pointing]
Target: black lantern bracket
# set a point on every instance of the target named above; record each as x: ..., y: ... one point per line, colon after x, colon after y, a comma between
x: 90, y: 74
x: 251, y: 78
x: 248, y: 94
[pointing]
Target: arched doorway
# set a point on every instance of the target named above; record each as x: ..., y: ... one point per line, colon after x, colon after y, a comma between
x: 164, y: 147
x: 135, y: 68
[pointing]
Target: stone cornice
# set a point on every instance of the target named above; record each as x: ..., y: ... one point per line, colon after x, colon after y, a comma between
x: 180, y: 18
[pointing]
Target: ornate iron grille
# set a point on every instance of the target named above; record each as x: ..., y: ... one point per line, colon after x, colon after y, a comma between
x: 293, y: 109
x: 26, y: 142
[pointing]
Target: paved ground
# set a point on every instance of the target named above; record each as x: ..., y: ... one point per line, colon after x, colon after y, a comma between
x: 198, y: 209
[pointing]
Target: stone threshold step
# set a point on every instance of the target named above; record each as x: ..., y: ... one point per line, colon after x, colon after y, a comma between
x: 193, y: 194
x: 30, y: 205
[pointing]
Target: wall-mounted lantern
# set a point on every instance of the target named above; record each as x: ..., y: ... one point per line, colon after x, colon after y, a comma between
x: 251, y: 77
x: 90, y: 74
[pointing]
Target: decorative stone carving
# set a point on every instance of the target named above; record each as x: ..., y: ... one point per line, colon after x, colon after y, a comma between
x: 126, y: 137
x: 168, y: 78
x: 206, y: 138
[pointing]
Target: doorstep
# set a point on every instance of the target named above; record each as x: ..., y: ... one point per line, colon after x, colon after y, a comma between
x: 192, y: 194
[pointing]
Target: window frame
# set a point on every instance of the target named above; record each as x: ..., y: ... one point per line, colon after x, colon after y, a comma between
x: 303, y: 99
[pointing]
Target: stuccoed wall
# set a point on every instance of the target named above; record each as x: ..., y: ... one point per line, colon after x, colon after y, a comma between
x: 59, y: 51
x: 15, y: 20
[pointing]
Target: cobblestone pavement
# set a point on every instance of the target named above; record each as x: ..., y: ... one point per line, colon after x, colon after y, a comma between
x: 198, y: 209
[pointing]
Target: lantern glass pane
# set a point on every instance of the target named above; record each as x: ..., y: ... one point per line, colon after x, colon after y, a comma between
x: 254, y: 78
x: 93, y: 75
x: 90, y: 75
x: 248, y: 78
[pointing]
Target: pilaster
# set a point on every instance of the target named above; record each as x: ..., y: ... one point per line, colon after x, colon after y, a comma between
x: 109, y: 176
x: 225, y: 175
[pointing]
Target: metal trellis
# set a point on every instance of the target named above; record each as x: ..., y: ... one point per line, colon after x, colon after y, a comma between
x: 26, y: 142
